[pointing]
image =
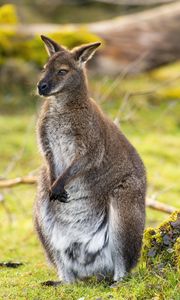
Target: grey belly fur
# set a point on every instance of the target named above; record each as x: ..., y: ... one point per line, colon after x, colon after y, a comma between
x: 79, y: 239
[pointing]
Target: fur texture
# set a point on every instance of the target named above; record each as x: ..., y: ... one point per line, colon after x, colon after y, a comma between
x: 98, y: 231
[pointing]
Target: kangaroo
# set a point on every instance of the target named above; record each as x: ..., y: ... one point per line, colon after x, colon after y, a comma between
x: 90, y: 206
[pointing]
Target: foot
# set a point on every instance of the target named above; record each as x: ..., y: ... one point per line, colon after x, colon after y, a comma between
x: 51, y: 283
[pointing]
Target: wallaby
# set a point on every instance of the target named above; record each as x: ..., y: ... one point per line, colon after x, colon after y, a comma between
x: 90, y: 207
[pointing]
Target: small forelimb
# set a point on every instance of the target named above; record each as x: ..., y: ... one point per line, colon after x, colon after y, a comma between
x: 77, y: 167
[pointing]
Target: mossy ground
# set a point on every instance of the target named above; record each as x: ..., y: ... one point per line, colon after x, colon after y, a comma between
x: 161, y: 245
x: 151, y: 122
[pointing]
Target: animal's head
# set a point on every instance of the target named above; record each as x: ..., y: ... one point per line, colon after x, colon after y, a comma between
x: 64, y: 69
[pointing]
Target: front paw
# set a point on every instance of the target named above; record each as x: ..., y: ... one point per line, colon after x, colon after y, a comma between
x: 58, y: 194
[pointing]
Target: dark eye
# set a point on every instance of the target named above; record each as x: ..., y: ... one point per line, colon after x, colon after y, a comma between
x: 62, y: 72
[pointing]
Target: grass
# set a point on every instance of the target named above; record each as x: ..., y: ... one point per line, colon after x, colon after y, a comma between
x: 153, y: 127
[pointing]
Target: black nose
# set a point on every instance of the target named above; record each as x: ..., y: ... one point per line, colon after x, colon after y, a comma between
x: 42, y: 87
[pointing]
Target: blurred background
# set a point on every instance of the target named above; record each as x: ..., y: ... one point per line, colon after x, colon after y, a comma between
x: 135, y: 78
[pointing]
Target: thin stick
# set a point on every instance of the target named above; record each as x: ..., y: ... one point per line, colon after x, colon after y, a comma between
x: 6, y: 183
x: 160, y: 206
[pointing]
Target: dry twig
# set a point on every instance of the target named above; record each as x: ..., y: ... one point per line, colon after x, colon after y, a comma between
x: 159, y: 206
x: 7, y: 183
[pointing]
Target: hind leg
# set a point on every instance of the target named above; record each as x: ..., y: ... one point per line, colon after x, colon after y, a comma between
x: 117, y: 256
x: 127, y: 224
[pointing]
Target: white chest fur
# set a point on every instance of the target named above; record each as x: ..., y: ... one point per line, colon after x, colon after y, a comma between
x: 63, y: 150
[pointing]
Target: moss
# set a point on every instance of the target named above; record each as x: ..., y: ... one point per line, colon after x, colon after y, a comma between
x: 8, y: 14
x: 170, y: 74
x: 170, y: 93
x: 148, y: 236
x: 166, y: 72
x: 31, y: 49
x: 177, y: 253
x: 72, y: 38
x: 162, y: 245
x: 7, y: 38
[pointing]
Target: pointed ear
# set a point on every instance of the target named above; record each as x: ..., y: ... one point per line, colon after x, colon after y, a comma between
x: 51, y: 46
x: 85, y: 52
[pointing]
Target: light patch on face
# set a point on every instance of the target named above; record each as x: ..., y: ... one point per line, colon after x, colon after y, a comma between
x: 54, y: 90
x: 64, y: 67
x: 59, y: 66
